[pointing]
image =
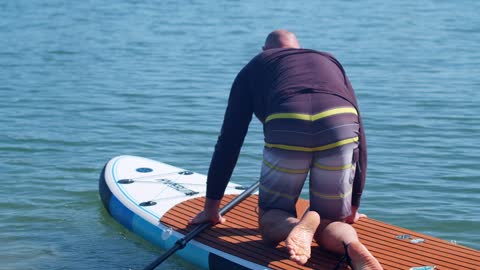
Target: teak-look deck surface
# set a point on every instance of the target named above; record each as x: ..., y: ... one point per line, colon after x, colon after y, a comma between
x: 239, y: 236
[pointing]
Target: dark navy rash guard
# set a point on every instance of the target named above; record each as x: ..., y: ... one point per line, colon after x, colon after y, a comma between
x: 270, y: 78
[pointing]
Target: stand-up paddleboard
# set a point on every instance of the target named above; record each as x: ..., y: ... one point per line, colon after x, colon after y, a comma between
x: 155, y: 200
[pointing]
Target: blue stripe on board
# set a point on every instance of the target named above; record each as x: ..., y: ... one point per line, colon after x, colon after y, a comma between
x: 152, y: 233
x: 121, y: 213
x: 218, y: 262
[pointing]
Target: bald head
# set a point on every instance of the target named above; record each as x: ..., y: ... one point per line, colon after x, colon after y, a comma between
x: 281, y: 39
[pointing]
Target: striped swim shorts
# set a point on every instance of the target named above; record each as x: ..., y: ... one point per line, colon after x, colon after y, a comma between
x: 322, y: 147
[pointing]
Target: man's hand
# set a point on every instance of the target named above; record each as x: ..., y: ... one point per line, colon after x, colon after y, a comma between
x: 209, y: 214
x: 355, y: 216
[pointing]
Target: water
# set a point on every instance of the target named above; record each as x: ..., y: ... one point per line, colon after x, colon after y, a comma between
x: 84, y: 81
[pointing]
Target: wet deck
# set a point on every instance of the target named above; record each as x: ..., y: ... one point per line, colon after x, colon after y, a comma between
x: 239, y: 236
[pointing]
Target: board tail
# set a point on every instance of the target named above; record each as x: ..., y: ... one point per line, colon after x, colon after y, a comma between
x: 105, y: 193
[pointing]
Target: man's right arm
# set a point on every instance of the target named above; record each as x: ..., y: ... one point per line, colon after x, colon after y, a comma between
x: 235, y: 126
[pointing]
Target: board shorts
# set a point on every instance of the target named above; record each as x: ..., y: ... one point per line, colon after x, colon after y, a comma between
x: 321, y: 145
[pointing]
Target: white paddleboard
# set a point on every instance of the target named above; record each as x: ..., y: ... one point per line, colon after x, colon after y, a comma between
x: 155, y: 201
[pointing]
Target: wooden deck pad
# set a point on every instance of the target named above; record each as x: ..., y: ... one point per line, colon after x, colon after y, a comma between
x: 240, y: 236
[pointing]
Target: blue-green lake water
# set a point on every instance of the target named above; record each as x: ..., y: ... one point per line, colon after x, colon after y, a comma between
x: 84, y: 81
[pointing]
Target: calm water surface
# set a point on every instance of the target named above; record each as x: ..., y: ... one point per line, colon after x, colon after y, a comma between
x: 84, y: 81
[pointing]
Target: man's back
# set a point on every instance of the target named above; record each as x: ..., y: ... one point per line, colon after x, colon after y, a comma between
x: 276, y: 75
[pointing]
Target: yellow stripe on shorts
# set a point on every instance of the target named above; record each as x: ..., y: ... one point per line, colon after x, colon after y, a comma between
x: 333, y: 168
x: 312, y: 149
x: 331, y: 197
x: 290, y: 197
x: 285, y: 170
x: 312, y: 117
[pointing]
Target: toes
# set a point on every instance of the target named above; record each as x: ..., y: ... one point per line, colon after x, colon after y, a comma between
x: 298, y: 258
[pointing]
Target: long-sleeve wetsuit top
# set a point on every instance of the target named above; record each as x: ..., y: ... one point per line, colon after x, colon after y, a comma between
x: 270, y: 77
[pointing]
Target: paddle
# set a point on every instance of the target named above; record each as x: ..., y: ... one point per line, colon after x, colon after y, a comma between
x: 181, y: 243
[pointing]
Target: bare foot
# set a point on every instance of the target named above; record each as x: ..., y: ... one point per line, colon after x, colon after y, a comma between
x: 362, y: 259
x: 299, y: 240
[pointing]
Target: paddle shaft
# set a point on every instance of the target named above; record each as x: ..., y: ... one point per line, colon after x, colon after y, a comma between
x: 181, y: 243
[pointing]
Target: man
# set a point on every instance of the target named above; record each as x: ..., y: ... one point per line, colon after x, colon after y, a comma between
x: 311, y: 126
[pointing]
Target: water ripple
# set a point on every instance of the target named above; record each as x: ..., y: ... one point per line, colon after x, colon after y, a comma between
x: 84, y: 82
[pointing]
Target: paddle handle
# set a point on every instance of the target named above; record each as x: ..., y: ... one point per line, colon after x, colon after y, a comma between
x: 239, y: 198
x: 181, y: 243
